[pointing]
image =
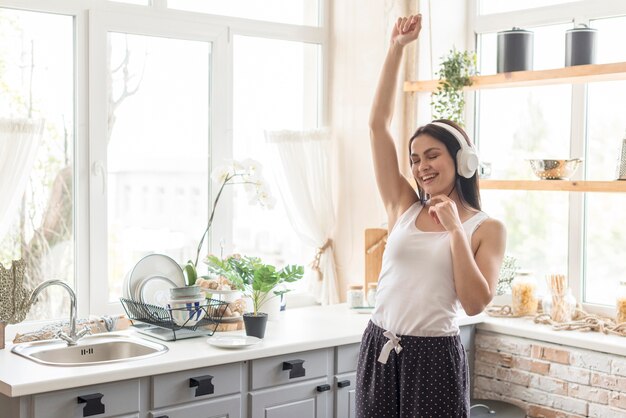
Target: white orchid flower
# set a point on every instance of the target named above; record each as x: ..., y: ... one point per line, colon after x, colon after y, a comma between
x: 221, y: 173
x: 252, y: 167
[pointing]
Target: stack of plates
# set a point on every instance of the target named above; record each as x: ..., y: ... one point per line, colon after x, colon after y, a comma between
x: 152, y: 278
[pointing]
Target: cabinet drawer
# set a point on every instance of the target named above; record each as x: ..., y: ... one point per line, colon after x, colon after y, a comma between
x: 347, y: 358
x: 229, y: 407
x: 193, y: 385
x: 289, y: 368
x: 106, y: 400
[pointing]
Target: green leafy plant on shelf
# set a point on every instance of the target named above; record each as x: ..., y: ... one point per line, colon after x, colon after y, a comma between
x: 257, y: 280
x: 455, y: 72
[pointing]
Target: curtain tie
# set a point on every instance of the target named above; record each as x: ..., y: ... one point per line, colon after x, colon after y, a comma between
x: 315, y: 264
x: 393, y: 343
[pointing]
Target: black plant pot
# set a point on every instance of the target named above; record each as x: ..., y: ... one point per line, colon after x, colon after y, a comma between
x: 255, y: 324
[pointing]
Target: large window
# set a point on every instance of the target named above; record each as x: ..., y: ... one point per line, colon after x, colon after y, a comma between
x: 141, y: 106
x: 287, y: 99
x: 37, y: 135
x: 552, y: 232
x: 158, y: 149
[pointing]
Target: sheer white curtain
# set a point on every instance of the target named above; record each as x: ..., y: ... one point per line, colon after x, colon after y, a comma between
x: 304, y: 183
x: 19, y: 139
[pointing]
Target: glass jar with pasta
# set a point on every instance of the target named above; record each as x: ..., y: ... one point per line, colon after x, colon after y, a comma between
x: 524, y: 294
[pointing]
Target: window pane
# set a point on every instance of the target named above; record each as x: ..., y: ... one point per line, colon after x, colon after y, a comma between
x: 295, y: 12
x: 548, y: 48
x: 537, y: 228
x: 501, y: 6
x: 611, y: 32
x: 605, y: 235
x: 276, y: 86
x: 157, y: 150
x: 605, y: 128
x: 37, y: 82
x: 534, y: 123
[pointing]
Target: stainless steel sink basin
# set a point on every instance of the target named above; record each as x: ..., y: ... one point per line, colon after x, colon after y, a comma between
x: 91, y: 350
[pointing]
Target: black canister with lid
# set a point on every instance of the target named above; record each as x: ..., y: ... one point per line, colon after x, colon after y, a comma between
x: 580, y: 45
x: 515, y: 50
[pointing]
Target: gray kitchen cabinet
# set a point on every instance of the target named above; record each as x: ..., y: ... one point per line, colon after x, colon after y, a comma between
x: 308, y: 399
x: 345, y: 395
x: 292, y: 385
x: 344, y: 382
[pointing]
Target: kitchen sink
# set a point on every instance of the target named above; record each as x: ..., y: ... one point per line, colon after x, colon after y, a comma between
x: 90, y: 350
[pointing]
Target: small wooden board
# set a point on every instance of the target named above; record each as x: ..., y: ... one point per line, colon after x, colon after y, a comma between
x: 374, y: 257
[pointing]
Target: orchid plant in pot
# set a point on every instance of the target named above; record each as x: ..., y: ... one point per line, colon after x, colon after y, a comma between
x: 258, y: 281
x: 247, y: 173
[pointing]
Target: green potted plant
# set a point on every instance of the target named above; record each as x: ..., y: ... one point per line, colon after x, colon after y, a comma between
x: 455, y: 72
x: 258, y: 281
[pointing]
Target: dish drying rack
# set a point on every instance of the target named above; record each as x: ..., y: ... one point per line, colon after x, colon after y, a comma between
x: 157, y: 321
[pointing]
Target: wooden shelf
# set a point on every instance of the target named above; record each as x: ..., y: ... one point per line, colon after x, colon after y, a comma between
x: 567, y: 75
x: 555, y: 185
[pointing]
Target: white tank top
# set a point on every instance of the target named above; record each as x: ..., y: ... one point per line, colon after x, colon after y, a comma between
x: 416, y: 294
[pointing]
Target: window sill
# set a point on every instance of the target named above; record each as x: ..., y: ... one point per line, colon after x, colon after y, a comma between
x: 527, y: 328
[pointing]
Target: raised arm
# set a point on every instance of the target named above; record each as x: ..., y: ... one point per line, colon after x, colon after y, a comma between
x: 395, y: 190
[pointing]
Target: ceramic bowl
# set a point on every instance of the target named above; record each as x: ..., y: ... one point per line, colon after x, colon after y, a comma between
x: 187, y: 311
x: 555, y: 169
x: 185, y: 292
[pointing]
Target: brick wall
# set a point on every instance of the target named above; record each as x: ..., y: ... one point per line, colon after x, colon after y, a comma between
x: 549, y: 380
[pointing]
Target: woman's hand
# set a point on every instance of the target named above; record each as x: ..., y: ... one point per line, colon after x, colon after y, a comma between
x: 406, y: 29
x: 443, y: 210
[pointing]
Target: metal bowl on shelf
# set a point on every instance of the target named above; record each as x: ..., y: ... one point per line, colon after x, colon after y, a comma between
x: 554, y: 169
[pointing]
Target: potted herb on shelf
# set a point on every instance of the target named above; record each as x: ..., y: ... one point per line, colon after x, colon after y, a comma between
x: 258, y: 281
x: 455, y: 72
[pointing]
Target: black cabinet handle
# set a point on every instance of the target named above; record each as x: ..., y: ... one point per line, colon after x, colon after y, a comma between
x: 323, y: 388
x: 295, y: 368
x: 343, y: 383
x: 94, y: 404
x: 203, y: 384
x: 162, y: 416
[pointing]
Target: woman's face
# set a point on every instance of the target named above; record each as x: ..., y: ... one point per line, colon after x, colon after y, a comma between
x: 432, y: 165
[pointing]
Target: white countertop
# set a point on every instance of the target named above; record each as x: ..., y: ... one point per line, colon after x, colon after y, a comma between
x: 296, y: 330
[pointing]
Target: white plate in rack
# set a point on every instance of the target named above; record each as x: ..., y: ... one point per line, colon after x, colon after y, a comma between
x: 233, y: 341
x: 154, y: 265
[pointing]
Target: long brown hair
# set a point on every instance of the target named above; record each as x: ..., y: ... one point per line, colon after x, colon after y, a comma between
x: 467, y: 188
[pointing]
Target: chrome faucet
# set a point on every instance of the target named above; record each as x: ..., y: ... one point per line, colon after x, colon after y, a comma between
x: 73, y: 336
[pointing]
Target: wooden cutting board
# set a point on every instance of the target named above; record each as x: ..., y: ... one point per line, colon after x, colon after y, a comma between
x: 375, y: 240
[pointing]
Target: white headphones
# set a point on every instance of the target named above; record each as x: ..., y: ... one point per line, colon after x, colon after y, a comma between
x: 466, y: 157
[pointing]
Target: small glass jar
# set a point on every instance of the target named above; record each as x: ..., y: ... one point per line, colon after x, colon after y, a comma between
x: 524, y: 294
x: 371, y: 294
x: 355, y: 296
x: 620, y: 303
x: 560, y: 307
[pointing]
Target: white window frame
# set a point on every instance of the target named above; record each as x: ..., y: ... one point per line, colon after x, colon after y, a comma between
x: 93, y: 18
x: 576, y: 12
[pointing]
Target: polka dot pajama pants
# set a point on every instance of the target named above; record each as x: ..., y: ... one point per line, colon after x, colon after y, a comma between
x: 428, y: 377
